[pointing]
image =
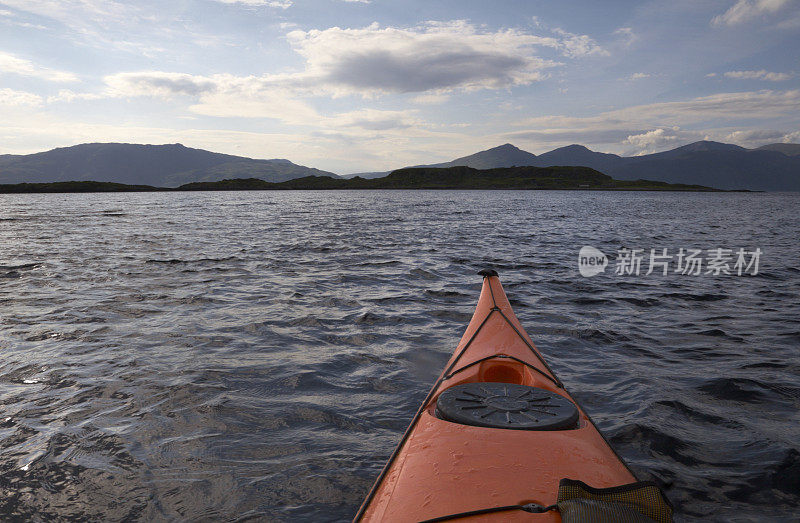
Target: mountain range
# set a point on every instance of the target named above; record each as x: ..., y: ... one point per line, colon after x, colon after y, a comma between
x: 774, y: 167
x: 159, y: 165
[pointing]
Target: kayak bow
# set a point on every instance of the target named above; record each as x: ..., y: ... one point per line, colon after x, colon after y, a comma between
x: 497, y: 430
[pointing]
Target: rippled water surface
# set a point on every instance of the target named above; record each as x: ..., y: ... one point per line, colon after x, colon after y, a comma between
x: 256, y: 355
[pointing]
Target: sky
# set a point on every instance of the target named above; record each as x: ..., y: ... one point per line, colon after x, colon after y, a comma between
x: 371, y: 85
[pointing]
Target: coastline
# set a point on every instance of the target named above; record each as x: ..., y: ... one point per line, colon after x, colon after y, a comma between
x: 452, y: 178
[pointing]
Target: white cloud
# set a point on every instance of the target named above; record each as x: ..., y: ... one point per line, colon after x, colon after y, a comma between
x: 78, y: 14
x: 221, y: 95
x: 281, y: 4
x: 436, y: 56
x: 746, y: 10
x: 152, y: 29
x: 133, y: 27
x: 67, y: 95
x: 652, y: 140
x: 435, y: 59
x: 375, y: 120
x: 574, y: 45
x: 756, y: 137
x: 12, y: 98
x: 751, y: 104
x: 688, y: 120
x: 11, y: 64
x: 430, y: 98
x: 639, y: 76
x: 758, y: 75
x: 792, y: 137
x: 239, y: 103
x: 725, y: 106
x: 228, y: 96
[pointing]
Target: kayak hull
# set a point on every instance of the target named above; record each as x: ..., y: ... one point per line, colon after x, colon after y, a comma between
x: 442, y: 467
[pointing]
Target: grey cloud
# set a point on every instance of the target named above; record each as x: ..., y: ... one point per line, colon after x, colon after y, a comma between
x: 382, y: 70
x: 186, y: 86
x: 160, y: 83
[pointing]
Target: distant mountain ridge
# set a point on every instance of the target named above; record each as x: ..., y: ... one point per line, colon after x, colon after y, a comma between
x: 789, y: 149
x: 158, y: 165
x: 505, y: 155
x: 774, y: 167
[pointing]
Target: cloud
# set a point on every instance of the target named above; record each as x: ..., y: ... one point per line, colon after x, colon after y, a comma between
x: 707, y: 117
x: 78, y: 14
x: 639, y: 76
x: 375, y: 120
x: 12, y: 98
x: 754, y: 137
x: 744, y: 11
x: 221, y: 95
x: 158, y: 83
x: 281, y: 4
x: 574, y: 45
x: 763, y: 104
x: 434, y: 59
x: 758, y: 75
x: 229, y: 96
x: 430, y: 98
x: 237, y: 103
x: 435, y: 56
x: 652, y: 140
x: 132, y: 27
x: 67, y: 95
x: 792, y: 137
x: 12, y: 64
x: 725, y: 106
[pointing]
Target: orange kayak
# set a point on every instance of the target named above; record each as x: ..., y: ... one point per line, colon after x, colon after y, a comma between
x: 497, y: 430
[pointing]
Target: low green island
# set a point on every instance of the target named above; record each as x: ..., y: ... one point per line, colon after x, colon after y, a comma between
x: 524, y: 178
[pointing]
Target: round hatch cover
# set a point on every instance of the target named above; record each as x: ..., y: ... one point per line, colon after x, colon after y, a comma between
x: 506, y: 406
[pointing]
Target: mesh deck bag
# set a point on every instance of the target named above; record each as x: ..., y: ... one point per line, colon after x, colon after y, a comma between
x: 640, y: 502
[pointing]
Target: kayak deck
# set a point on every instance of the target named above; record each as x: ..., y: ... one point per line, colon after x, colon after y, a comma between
x: 442, y: 467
